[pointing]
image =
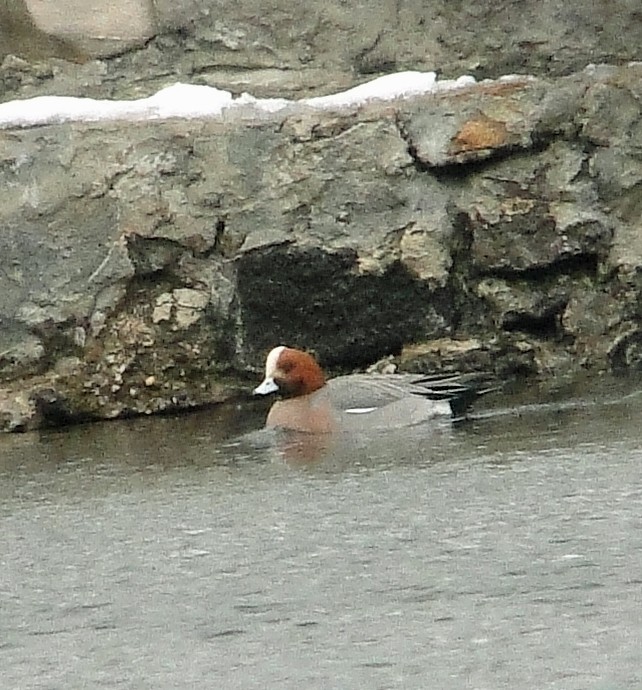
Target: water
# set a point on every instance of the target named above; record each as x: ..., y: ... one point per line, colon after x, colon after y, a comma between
x: 161, y: 553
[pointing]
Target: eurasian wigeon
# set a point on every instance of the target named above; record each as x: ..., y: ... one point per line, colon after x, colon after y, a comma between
x: 359, y: 401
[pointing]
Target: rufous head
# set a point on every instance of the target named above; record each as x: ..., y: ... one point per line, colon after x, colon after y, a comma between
x: 290, y: 372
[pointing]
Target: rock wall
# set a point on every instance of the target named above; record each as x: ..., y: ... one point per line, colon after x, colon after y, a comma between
x: 150, y: 266
x: 284, y: 48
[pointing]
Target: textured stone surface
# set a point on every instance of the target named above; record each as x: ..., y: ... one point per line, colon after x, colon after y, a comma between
x: 123, y: 20
x: 150, y: 266
x: 74, y: 29
x: 277, y: 47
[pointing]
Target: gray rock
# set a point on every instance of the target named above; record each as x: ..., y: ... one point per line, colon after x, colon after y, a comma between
x: 282, y: 49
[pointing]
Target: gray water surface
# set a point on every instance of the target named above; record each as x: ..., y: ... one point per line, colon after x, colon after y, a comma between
x: 164, y: 553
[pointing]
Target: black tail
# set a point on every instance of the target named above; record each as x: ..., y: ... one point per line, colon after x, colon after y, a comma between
x: 461, y: 390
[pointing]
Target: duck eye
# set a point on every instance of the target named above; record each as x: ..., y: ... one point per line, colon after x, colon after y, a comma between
x: 286, y: 367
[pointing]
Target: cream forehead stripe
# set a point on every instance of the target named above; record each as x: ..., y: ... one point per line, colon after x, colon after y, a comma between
x: 271, y: 363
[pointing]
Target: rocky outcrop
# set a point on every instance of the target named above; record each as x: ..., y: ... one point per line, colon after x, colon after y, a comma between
x: 285, y: 49
x: 149, y: 266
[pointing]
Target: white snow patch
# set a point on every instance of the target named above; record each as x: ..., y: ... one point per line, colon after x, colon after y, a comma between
x: 191, y: 101
x: 387, y: 88
x: 267, y: 105
x: 179, y: 100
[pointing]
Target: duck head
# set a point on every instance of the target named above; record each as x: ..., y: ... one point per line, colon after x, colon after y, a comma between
x: 291, y: 373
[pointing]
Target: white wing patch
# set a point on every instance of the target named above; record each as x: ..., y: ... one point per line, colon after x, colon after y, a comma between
x: 361, y: 410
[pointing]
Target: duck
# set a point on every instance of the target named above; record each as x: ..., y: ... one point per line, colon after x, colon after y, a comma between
x: 309, y: 402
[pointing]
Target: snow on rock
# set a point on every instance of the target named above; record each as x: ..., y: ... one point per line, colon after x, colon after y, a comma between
x: 185, y: 100
x: 389, y: 87
x: 193, y: 101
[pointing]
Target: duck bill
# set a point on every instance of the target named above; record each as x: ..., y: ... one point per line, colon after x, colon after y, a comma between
x: 267, y: 386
